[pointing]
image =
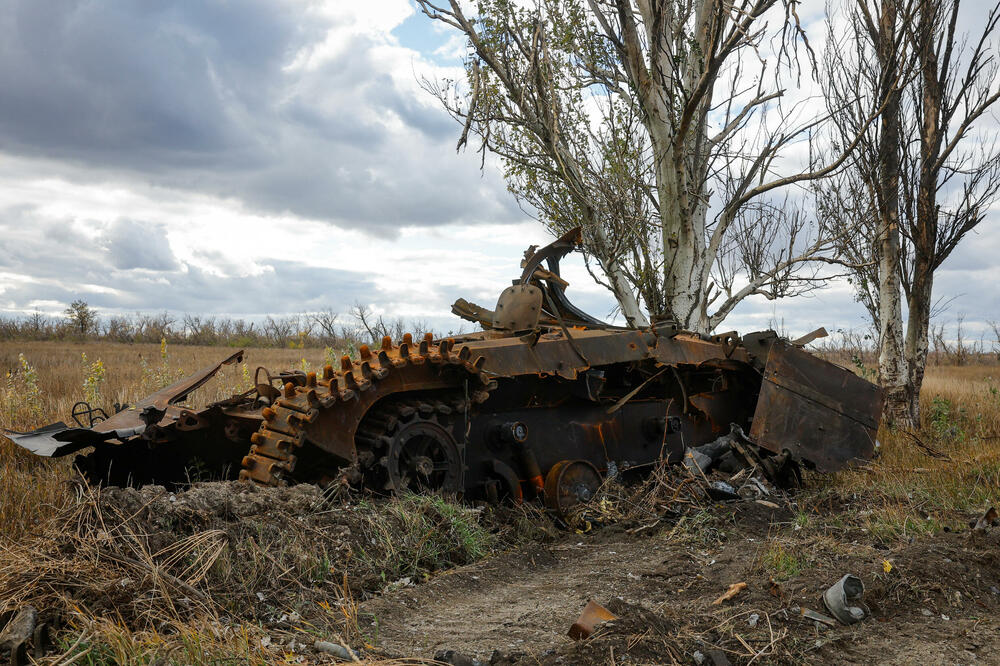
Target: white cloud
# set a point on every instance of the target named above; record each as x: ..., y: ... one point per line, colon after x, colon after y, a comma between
x: 275, y: 156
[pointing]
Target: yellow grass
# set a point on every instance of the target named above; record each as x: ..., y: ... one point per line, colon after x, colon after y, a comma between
x: 34, y: 490
x: 61, y: 372
x: 908, y: 491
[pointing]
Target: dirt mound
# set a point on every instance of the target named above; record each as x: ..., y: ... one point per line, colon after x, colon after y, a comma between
x: 244, y: 513
x: 150, y: 557
x: 285, y: 565
x: 281, y: 564
x: 204, y: 502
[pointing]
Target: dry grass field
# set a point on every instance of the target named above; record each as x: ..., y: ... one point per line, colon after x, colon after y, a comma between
x: 923, y: 485
x: 920, y: 489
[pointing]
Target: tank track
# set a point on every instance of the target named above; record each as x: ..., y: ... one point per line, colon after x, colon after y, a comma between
x: 327, y: 410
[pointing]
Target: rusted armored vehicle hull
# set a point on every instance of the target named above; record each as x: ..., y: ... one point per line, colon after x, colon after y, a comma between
x: 543, y: 401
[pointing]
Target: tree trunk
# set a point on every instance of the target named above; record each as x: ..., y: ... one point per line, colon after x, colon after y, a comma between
x: 681, y: 159
x: 918, y: 323
x: 892, y: 373
x: 892, y: 366
x: 683, y: 242
x: 925, y: 236
x: 620, y: 285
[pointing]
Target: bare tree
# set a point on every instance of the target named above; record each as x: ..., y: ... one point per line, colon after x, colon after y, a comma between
x: 662, y: 128
x: 326, y: 321
x: 921, y: 179
x: 371, y: 325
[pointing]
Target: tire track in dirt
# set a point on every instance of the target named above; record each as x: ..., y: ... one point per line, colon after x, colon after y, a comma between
x: 521, y: 601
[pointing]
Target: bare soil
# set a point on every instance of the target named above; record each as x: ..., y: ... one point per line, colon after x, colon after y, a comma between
x: 937, y: 604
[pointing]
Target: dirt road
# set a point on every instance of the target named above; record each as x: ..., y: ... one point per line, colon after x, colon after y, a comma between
x: 933, y: 600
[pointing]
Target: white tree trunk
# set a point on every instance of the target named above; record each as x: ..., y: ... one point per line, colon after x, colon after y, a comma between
x: 679, y: 161
x: 892, y: 366
x: 630, y: 307
x: 892, y: 370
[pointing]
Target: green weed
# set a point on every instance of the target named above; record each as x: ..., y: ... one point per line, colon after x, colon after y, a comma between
x: 161, y: 375
x: 416, y: 535
x: 94, y: 375
x: 21, y: 396
x: 782, y: 563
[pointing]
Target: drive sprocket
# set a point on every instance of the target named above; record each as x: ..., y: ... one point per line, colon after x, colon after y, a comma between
x: 415, y: 444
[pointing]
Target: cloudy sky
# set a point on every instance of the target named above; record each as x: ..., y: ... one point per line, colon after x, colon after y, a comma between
x: 278, y: 156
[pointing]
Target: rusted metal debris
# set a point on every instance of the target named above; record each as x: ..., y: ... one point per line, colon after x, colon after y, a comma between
x: 538, y: 403
x: 593, y: 614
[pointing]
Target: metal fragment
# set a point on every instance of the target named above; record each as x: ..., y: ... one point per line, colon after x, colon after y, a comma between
x: 593, y: 614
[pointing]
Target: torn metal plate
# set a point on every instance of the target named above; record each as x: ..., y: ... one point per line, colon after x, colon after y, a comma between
x: 820, y: 412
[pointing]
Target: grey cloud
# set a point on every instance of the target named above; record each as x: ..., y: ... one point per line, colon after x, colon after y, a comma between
x: 284, y: 287
x: 133, y: 244
x: 130, y: 268
x: 197, y: 96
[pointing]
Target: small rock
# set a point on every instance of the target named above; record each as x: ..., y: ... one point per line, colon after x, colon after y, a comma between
x: 699, y: 657
x: 926, y: 612
x: 945, y: 617
x: 456, y: 658
x: 719, y: 658
x: 753, y: 619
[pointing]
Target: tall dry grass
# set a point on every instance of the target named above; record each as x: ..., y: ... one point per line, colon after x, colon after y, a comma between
x: 938, y: 476
x: 134, y: 370
x: 49, y: 549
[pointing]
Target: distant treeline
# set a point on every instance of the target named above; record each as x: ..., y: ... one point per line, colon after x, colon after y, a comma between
x: 362, y: 326
x: 310, y: 329
x: 946, y: 346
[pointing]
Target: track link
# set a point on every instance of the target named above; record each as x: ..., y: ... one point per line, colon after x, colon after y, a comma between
x: 327, y: 410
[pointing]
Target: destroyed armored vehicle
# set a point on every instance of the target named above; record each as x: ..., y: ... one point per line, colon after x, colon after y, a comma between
x: 542, y: 402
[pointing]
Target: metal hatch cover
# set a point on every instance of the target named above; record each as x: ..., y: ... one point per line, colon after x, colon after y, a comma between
x: 820, y: 412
